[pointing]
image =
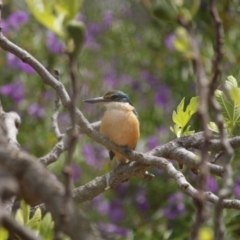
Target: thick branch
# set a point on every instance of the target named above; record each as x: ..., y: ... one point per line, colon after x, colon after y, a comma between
x: 45, y: 188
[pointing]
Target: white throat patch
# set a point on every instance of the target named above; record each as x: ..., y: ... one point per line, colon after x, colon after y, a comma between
x: 119, y: 106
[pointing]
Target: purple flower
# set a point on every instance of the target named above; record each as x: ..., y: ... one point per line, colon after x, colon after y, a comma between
x: 12, y: 61
x: 91, y: 43
x: 64, y: 118
x: 116, y: 212
x: 36, y: 110
x: 109, y: 228
x: 63, y: 121
x: 152, y: 80
x: 110, y: 80
x: 126, y: 79
x: 152, y: 142
x: 162, y: 96
x: 14, y: 90
x: 212, y: 184
x: 53, y: 43
x: 142, y: 200
x: 47, y: 95
x: 237, y: 188
x: 94, y: 156
x: 93, y: 30
x: 175, y: 206
x: 101, y: 204
x: 89, y: 154
x: 16, y: 19
x: 112, y: 209
x: 162, y: 132
x: 121, y: 190
x: 76, y: 172
x: 25, y: 67
x: 15, y: 63
x: 169, y: 40
x: 108, y: 18
x: 5, y: 27
x: 81, y: 18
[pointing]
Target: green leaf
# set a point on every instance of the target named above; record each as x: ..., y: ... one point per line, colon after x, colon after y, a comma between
x: 182, y: 42
x: 186, y: 14
x: 19, y: 217
x: 178, y: 116
x: 46, y: 227
x: 34, y: 222
x: 230, y: 111
x: 205, y: 233
x: 192, y: 106
x: 3, y: 234
x: 76, y: 32
x: 213, y: 127
x: 43, y: 11
x: 181, y: 117
x: 177, y: 130
x: 163, y: 11
x: 233, y: 90
x: 188, y: 132
x: 68, y: 8
x: 54, y: 14
x: 195, y: 7
x: 25, y: 211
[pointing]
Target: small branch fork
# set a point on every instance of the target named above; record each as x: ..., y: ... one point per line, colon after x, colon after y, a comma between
x: 56, y: 111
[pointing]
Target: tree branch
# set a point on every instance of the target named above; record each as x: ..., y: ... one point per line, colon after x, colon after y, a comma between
x: 45, y: 189
x: 57, y: 105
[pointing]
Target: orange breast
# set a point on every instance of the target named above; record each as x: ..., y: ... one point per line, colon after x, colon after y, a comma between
x: 122, y: 127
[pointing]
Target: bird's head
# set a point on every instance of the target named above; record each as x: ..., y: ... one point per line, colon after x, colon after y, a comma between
x: 111, y: 96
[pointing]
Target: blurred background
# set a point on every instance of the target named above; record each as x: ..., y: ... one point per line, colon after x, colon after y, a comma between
x: 128, y: 49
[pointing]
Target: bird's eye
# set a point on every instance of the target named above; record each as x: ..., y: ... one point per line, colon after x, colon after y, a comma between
x: 114, y: 97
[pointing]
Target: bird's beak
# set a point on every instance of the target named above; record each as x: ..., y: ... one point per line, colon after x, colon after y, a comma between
x: 97, y: 100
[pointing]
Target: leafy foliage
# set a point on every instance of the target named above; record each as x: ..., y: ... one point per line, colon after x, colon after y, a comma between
x: 54, y: 14
x: 43, y: 226
x: 230, y: 106
x: 181, y: 117
x: 3, y: 233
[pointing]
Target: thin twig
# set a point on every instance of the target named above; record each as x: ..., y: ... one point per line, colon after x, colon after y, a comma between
x: 1, y: 107
x: 219, y: 38
x: 203, y: 112
x: 72, y: 140
x: 227, y: 153
x: 57, y: 105
x: 1, y: 7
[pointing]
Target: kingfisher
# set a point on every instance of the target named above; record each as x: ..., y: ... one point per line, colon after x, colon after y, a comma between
x: 119, y: 123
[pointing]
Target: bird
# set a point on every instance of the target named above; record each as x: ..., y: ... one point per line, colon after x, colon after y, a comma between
x: 119, y: 123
